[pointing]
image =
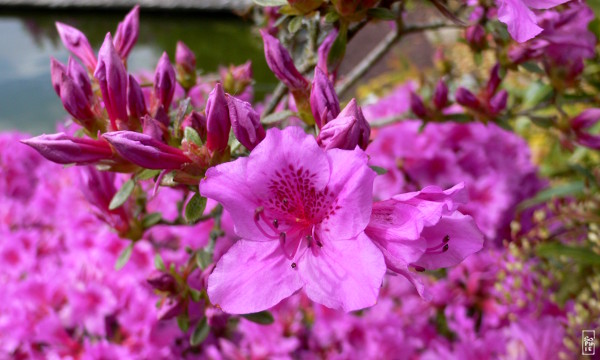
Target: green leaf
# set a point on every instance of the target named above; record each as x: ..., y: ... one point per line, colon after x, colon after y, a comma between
x: 533, y: 67
x: 147, y: 174
x: 124, y: 257
x: 270, y: 2
x: 536, y: 93
x: 191, y: 135
x: 159, y: 264
x: 200, y: 332
x: 545, y: 195
x: 151, y: 219
x: 195, y: 295
x: 277, y: 117
x: 379, y: 170
x: 122, y: 195
x: 183, y: 322
x: 381, y: 13
x: 263, y: 317
x: 332, y: 17
x: 181, y: 110
x: 195, y: 208
x: 203, y: 259
x: 295, y: 24
x: 580, y: 255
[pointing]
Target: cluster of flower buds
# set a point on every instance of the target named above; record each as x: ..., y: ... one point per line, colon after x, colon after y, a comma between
x: 129, y: 126
x: 489, y: 102
x: 581, y: 125
x: 440, y: 102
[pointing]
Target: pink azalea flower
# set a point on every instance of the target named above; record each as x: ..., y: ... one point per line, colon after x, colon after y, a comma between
x: 521, y: 21
x: 301, y: 212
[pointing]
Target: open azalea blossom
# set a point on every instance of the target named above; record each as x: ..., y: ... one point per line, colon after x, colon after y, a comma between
x: 307, y: 220
x: 521, y: 21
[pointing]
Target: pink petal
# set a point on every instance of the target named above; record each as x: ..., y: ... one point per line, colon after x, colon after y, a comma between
x: 352, y: 182
x: 521, y: 21
x: 344, y: 274
x: 543, y: 4
x: 252, y: 276
x: 434, y: 202
x: 464, y: 239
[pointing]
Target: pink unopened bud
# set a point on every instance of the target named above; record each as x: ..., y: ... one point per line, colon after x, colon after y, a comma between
x: 324, y: 102
x: 498, y: 102
x: 218, y: 123
x: 145, y: 151
x: 170, y: 308
x: 185, y: 58
x: 77, y: 43
x: 112, y: 78
x: 245, y: 123
x: 440, y: 95
x: 324, y: 49
x: 164, y: 81
x: 196, y: 121
x: 281, y: 63
x: 75, y: 101
x: 475, y: 36
x: 467, y: 98
x: 127, y: 32
x: 57, y: 70
x: 163, y: 282
x: 76, y: 72
x: 64, y: 149
x: 581, y: 123
x: 135, y: 99
x: 417, y: 106
x: 235, y: 79
x: 494, y: 81
x: 153, y: 127
x: 348, y: 130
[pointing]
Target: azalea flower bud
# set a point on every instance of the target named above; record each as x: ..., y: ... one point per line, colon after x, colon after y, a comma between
x: 145, y: 151
x: 440, y: 95
x: 324, y: 102
x: 112, y: 78
x: 281, y: 63
x: 127, y: 32
x: 185, y: 63
x: 353, y: 9
x: 417, y: 106
x: 152, y: 127
x: 77, y: 43
x: 75, y: 101
x: 196, y: 121
x: 324, y: 49
x: 163, y: 282
x: 346, y: 131
x: 164, y: 81
x: 218, y: 123
x: 467, y: 98
x: 135, y: 99
x: 235, y: 79
x: 494, y: 81
x: 498, y: 102
x: 245, y: 122
x: 57, y: 69
x: 475, y: 36
x: 170, y: 308
x: 64, y: 149
x: 76, y: 72
x: 581, y: 123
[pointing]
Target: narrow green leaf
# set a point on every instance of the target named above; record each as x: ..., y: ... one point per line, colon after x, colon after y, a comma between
x: 379, y: 170
x: 263, y: 317
x: 532, y: 67
x: 277, y: 117
x: 332, y: 17
x: 124, y: 257
x: 200, y: 332
x: 381, y: 13
x: 295, y: 24
x: 181, y: 110
x: 159, y: 264
x: 537, y: 92
x: 191, y: 135
x: 196, y: 295
x: 151, y: 219
x: 195, y: 208
x: 571, y: 188
x: 203, y: 259
x: 270, y: 2
x: 580, y: 255
x: 122, y: 195
x: 183, y: 322
x: 147, y: 174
